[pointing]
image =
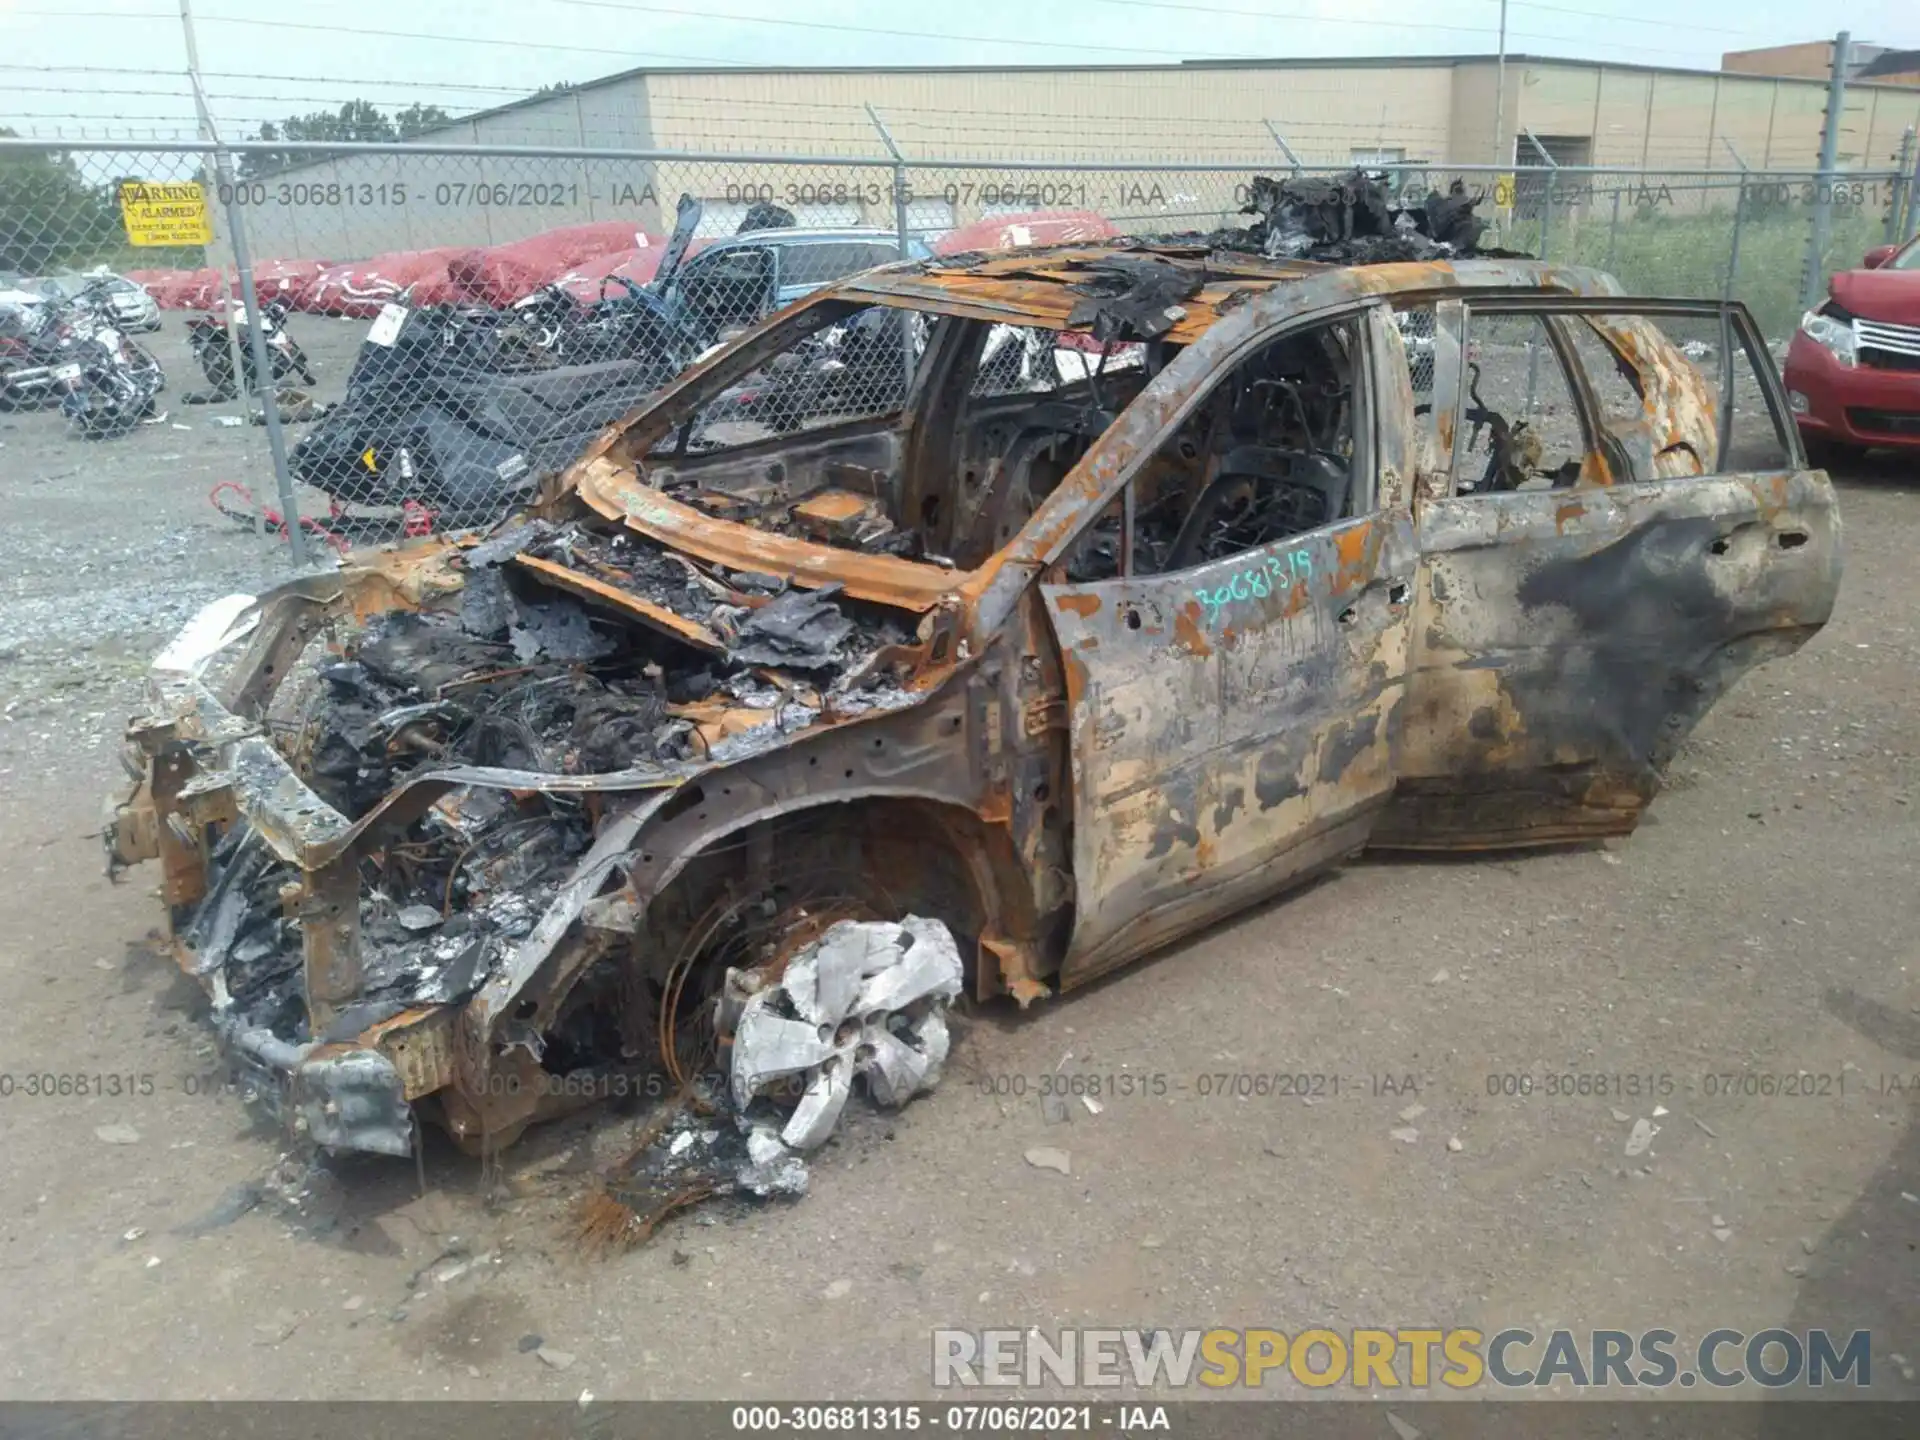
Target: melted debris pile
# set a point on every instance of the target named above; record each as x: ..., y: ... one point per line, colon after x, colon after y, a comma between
x: 749, y: 619
x: 519, y: 677
x: 866, y: 1003
x: 506, y: 682
x: 1348, y: 219
x: 1345, y: 219
x: 1132, y: 298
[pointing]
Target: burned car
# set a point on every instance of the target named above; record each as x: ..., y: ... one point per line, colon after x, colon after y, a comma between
x: 1061, y: 659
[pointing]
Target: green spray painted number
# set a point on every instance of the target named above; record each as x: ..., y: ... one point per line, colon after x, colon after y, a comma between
x: 1257, y: 582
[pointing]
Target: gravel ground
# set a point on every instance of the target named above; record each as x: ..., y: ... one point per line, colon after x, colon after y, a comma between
x: 110, y: 545
x: 1762, y: 922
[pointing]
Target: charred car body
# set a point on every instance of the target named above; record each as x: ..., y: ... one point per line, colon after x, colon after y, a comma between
x: 1074, y: 659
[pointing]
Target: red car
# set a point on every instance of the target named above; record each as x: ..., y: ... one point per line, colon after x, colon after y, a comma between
x: 1853, y: 369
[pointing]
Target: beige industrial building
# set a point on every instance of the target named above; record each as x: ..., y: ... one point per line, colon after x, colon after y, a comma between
x: 1239, y: 115
x: 1329, y: 111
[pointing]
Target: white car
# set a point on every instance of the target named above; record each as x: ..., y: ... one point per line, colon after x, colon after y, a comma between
x: 133, y: 309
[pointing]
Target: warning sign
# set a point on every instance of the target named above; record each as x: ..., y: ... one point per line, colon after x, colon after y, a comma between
x: 165, y: 213
x: 1503, y: 191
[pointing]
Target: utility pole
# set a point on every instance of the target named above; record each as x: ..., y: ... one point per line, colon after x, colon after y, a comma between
x: 1822, y: 228
x: 1499, y: 90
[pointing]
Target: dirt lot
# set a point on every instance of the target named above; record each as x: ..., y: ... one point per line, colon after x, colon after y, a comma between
x: 1762, y: 923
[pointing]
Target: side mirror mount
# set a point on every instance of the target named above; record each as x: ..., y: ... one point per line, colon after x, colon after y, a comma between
x: 1878, y: 256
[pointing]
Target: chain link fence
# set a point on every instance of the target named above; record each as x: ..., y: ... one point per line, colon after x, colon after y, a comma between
x: 429, y: 331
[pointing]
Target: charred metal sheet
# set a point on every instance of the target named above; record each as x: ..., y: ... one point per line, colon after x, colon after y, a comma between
x: 1224, y: 723
x: 1395, y: 443
x: 643, y: 609
x: 591, y: 873
x: 802, y: 630
x: 1680, y: 408
x: 353, y: 1100
x: 1132, y: 297
x: 1439, y: 463
x: 1567, y: 643
x: 419, y: 1044
x: 619, y: 494
x: 328, y: 907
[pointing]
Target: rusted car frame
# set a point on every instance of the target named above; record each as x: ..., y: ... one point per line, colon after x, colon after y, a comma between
x: 1070, y: 771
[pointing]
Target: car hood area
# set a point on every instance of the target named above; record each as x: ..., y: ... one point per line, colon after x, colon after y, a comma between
x: 379, y: 792
x: 1889, y: 295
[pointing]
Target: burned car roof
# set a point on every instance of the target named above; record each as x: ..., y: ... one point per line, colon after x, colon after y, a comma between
x: 1040, y: 286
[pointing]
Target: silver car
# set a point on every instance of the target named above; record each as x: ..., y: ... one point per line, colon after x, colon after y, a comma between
x: 133, y: 309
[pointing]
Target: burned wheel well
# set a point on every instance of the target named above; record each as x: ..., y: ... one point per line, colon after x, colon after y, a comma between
x: 767, y: 888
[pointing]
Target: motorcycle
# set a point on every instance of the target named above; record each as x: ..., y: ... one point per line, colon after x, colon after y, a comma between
x: 29, y: 350
x: 109, y: 386
x: 207, y: 334
x: 36, y: 340
x: 105, y: 383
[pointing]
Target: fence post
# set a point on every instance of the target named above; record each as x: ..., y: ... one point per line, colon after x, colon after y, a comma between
x: 1546, y: 233
x: 266, y: 391
x: 908, y: 359
x: 1913, y: 200
x: 1822, y: 227
x: 1896, y: 227
x: 1739, y: 218
x: 210, y: 182
x: 1285, y: 149
x: 1613, y: 226
x: 223, y: 170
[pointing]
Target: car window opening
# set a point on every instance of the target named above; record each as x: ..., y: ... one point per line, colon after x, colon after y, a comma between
x: 815, y: 441
x: 1268, y: 454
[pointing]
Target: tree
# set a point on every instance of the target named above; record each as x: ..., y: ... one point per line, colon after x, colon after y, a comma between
x: 355, y: 121
x: 50, y: 217
x: 417, y: 119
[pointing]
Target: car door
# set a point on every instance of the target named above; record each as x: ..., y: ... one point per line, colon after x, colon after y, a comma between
x: 1233, y: 724
x: 1652, y: 535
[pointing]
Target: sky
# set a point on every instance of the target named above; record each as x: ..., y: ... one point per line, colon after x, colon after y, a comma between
x: 112, y: 68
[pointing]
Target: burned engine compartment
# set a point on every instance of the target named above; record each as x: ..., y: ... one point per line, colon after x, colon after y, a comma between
x: 514, y: 677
